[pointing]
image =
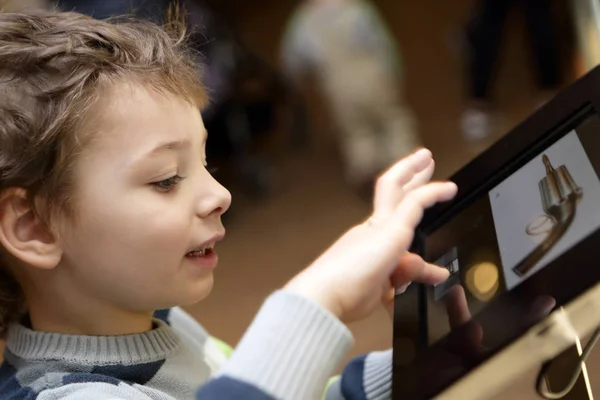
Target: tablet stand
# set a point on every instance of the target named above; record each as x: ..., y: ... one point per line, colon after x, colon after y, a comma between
x: 559, y: 372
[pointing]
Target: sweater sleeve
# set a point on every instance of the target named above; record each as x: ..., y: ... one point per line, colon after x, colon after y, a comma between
x: 367, y: 377
x: 292, y: 332
x: 289, y: 351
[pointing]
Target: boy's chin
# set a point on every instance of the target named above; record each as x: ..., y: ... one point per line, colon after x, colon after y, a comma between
x: 196, y: 293
x: 186, y: 295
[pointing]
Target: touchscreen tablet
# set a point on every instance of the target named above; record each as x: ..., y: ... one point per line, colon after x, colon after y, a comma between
x: 521, y: 225
x: 522, y: 245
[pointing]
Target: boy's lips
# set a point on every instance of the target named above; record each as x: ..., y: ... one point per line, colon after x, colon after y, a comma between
x: 209, y: 244
x: 204, y: 255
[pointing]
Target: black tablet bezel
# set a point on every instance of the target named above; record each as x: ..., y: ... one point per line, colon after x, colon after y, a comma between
x: 546, y: 125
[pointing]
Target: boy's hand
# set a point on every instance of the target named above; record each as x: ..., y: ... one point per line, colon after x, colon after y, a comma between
x: 354, y: 274
x: 399, y: 285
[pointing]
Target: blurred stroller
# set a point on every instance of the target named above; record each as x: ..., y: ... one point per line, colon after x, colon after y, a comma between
x: 244, y: 90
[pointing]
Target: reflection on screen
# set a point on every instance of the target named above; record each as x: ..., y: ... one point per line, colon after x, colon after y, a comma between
x: 524, y: 223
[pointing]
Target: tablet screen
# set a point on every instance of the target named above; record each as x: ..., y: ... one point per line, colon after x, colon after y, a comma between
x: 521, y: 225
x: 506, y: 249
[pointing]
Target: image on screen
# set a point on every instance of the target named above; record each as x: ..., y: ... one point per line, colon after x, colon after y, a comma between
x: 552, y: 201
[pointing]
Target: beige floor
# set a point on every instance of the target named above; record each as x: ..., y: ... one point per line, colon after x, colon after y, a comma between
x: 268, y: 242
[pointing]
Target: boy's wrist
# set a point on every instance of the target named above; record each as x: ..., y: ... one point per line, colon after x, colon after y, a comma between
x: 300, y: 286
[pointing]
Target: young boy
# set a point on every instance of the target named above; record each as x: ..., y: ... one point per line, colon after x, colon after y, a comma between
x: 108, y: 214
x: 347, y: 45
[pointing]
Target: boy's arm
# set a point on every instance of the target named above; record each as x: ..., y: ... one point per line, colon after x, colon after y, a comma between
x: 365, y: 377
x: 269, y: 323
x: 289, y: 351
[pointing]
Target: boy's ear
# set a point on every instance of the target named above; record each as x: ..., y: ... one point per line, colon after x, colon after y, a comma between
x: 23, y: 234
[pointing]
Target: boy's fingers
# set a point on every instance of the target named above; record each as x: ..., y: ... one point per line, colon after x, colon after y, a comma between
x: 413, y: 268
x: 389, y: 188
x: 388, y: 301
x: 410, y: 211
x: 401, y: 276
x: 420, y: 178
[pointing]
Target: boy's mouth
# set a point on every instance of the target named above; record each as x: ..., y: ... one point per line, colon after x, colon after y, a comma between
x: 204, y: 255
x: 201, y: 251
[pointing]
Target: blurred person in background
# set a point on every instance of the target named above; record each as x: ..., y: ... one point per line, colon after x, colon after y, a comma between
x: 483, y: 39
x: 346, y: 44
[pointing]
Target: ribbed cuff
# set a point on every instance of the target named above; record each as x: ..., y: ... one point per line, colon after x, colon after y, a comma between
x: 291, y: 349
x: 377, y: 378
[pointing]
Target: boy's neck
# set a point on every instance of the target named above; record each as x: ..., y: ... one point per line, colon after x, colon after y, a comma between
x: 77, y: 315
x: 90, y: 324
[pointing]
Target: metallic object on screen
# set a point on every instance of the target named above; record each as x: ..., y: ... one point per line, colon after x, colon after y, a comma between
x: 559, y: 195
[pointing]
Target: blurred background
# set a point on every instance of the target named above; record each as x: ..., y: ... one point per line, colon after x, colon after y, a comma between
x: 311, y: 99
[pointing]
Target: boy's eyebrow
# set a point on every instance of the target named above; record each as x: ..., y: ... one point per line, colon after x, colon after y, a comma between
x: 171, y: 145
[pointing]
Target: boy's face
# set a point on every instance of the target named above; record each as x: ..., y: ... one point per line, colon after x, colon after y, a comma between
x: 144, y: 200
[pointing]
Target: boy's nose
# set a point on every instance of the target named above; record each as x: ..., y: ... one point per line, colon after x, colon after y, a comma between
x: 219, y: 199
x: 224, y: 200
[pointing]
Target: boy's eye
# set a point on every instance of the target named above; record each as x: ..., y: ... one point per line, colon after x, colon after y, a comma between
x: 168, y: 184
